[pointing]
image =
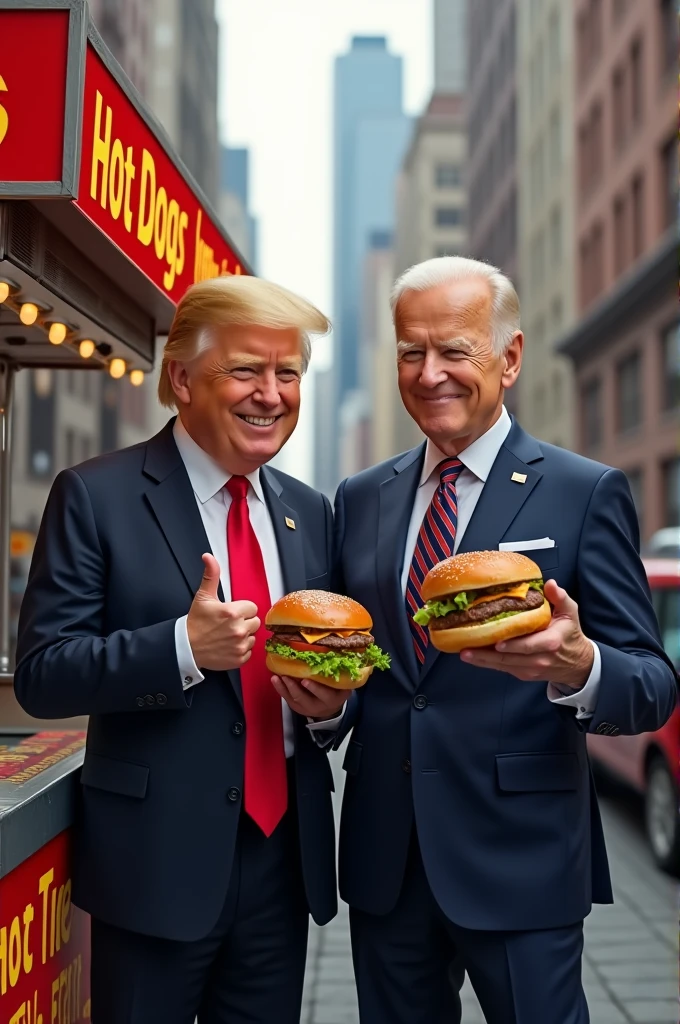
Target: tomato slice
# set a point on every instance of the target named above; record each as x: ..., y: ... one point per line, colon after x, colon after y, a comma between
x: 319, y: 648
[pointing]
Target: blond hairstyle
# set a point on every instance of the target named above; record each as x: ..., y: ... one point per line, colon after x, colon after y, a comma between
x: 504, y: 300
x: 236, y: 299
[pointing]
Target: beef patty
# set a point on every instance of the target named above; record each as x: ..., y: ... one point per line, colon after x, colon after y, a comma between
x: 482, y: 612
x: 355, y: 642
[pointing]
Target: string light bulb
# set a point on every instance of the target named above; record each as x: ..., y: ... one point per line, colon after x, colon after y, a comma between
x: 86, y: 348
x: 137, y: 378
x: 117, y: 368
x: 57, y: 333
x: 28, y: 314
x: 7, y: 288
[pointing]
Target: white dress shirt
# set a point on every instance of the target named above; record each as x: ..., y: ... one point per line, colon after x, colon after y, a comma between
x: 477, y: 461
x: 208, y: 481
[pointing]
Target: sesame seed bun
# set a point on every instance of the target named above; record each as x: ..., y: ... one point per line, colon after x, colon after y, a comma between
x: 476, y: 570
x: 318, y: 609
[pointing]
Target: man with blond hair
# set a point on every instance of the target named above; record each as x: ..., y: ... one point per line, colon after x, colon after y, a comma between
x: 205, y: 835
x: 470, y: 834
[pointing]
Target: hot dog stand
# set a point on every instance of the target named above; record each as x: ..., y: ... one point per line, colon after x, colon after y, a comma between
x: 102, y: 229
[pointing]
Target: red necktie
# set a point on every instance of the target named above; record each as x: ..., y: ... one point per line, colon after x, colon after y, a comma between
x: 265, y: 783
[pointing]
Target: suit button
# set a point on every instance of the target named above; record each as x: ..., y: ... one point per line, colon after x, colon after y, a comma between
x: 141, y: 702
x: 150, y: 699
x: 233, y: 794
x: 406, y: 766
x: 420, y: 701
x: 161, y: 698
x: 237, y: 728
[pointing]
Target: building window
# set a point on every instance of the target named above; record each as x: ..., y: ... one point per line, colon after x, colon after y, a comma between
x: 669, y: 182
x: 448, y: 216
x: 448, y: 175
x: 638, y: 218
x: 636, y: 83
x: 629, y: 393
x: 597, y: 260
x: 636, y: 482
x: 70, y: 448
x: 618, y: 108
x: 668, y: 30
x: 593, y: 423
x: 670, y: 367
x: 556, y: 237
x: 671, y: 492
x: 620, y: 240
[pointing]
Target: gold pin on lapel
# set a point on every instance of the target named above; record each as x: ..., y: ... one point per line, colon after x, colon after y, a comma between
x: 290, y: 523
x: 519, y: 478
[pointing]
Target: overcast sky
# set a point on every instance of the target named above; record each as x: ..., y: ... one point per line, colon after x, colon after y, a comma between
x: 276, y: 82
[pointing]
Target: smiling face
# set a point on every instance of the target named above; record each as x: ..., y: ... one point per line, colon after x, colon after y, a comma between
x: 451, y: 380
x: 240, y: 399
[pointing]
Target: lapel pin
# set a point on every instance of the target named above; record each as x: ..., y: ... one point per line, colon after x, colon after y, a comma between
x: 519, y: 478
x: 290, y: 523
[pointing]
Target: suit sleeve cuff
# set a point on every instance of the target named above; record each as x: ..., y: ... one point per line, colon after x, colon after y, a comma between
x: 583, y: 700
x: 189, y: 671
x: 328, y: 725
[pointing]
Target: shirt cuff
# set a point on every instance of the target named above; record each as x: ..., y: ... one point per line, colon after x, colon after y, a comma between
x: 188, y: 669
x: 583, y: 700
x: 330, y: 725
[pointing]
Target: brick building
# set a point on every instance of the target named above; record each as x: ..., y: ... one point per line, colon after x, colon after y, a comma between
x: 625, y: 346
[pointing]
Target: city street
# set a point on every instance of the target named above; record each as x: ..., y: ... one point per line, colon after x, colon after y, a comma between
x: 631, y: 958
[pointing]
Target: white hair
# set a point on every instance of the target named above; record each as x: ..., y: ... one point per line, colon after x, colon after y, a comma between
x: 443, y: 269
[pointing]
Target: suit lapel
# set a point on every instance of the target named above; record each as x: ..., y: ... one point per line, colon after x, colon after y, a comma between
x: 173, y: 504
x: 289, y: 540
x: 397, y: 495
x: 500, y: 501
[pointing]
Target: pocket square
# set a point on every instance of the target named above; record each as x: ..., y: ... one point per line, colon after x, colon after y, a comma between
x: 527, y: 545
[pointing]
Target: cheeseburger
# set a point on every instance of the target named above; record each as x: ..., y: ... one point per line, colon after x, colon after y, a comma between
x: 322, y: 636
x: 482, y: 597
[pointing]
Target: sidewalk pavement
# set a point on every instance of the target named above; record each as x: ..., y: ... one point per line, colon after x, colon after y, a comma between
x: 630, y: 965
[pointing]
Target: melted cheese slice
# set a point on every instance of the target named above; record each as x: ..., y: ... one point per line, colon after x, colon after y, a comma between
x: 312, y: 636
x: 521, y: 591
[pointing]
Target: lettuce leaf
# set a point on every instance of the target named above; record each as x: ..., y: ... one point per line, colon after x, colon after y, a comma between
x: 458, y: 603
x: 333, y: 663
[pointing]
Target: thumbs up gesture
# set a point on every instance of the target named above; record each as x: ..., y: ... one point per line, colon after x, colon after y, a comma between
x: 221, y: 634
x: 559, y: 654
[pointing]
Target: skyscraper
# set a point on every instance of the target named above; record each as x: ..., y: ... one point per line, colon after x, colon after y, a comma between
x: 450, y: 46
x: 370, y: 137
x: 234, y: 202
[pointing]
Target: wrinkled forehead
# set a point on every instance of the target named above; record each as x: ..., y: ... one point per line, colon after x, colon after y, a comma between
x: 458, y: 307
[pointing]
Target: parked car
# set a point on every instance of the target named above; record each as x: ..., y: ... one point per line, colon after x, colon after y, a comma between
x: 650, y: 763
x: 664, y: 543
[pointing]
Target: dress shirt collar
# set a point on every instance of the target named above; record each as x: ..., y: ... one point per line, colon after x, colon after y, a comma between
x: 478, y: 458
x: 205, y: 476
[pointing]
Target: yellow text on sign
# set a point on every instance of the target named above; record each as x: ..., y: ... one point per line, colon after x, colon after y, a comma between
x: 4, y: 116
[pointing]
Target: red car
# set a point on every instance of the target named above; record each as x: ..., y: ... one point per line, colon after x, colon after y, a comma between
x: 651, y: 762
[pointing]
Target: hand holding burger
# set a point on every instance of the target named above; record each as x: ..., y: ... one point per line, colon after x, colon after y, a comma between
x: 321, y: 648
x: 506, y: 627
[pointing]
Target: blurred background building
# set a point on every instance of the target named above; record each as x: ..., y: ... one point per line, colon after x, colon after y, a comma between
x: 546, y: 211
x: 370, y: 136
x: 624, y: 344
x: 234, y: 203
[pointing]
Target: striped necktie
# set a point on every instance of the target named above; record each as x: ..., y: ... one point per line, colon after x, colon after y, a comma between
x: 435, y: 542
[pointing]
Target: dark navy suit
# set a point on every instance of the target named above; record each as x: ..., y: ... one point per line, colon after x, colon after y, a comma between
x: 468, y: 792
x: 117, y: 562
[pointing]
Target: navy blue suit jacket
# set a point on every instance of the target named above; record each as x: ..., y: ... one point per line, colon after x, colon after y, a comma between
x: 496, y: 777
x: 117, y: 562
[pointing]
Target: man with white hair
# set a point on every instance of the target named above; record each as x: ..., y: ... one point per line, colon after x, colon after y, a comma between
x: 205, y: 836
x: 470, y: 830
